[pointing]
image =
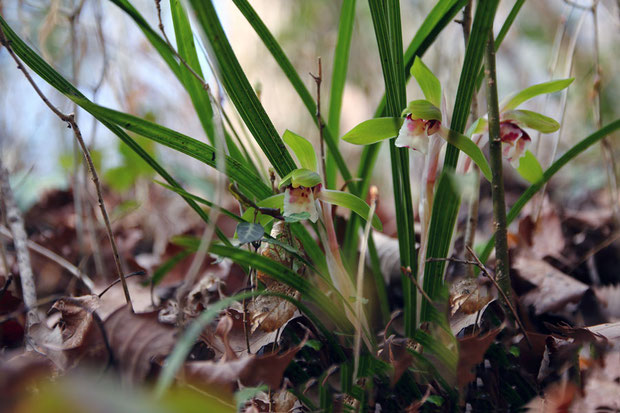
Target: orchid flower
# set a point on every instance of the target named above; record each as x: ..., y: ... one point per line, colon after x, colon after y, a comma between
x: 304, y: 198
x: 513, y: 124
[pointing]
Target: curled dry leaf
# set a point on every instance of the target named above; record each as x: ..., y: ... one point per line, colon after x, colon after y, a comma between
x: 249, y: 370
x: 471, y: 353
x: 468, y: 296
x: 554, y: 289
x: 269, y: 312
x: 81, y: 328
x: 137, y: 340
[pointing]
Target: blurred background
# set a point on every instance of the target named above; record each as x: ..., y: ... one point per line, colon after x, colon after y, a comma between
x: 107, y: 57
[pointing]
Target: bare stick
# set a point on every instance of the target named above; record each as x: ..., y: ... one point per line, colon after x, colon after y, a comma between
x: 318, y: 79
x: 52, y: 256
x: 497, y: 184
x: 16, y: 224
x: 70, y: 119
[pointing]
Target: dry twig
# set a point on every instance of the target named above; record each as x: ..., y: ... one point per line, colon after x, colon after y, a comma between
x: 70, y: 120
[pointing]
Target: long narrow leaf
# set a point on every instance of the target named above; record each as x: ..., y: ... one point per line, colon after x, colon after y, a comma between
x: 240, y: 91
x: 339, y: 75
x: 236, y: 171
x: 386, y: 21
x: 278, y: 54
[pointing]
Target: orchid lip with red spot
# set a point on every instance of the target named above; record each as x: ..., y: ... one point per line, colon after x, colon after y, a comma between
x: 415, y: 133
x: 302, y: 199
x: 515, y: 141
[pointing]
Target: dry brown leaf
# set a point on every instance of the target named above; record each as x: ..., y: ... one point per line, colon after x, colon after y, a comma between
x: 611, y: 331
x: 136, y: 341
x: 544, y: 237
x: 557, y: 399
x: 468, y: 296
x: 396, y: 354
x: 554, y: 289
x: 17, y: 373
x: 250, y: 370
x: 460, y: 320
x: 81, y: 333
x: 602, y: 390
x: 471, y: 353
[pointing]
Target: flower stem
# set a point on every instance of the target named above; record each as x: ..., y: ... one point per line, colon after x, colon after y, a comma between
x: 497, y: 184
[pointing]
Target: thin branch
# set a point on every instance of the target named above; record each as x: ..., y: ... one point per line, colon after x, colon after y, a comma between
x: 16, y: 224
x: 52, y: 256
x: 318, y: 79
x: 485, y: 271
x: 497, y: 184
x: 70, y: 120
x: 409, y: 272
x: 113, y: 283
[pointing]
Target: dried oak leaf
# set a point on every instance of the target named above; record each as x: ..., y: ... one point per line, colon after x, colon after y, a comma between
x: 554, y: 289
x: 251, y: 370
x: 471, y: 353
x: 81, y: 328
x: 137, y: 340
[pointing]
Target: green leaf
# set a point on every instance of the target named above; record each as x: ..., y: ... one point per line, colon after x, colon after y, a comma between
x: 249, y: 232
x: 339, y: 75
x: 514, y: 100
x: 240, y: 91
x: 481, y: 125
x: 301, y: 177
x: 187, y: 50
x: 428, y: 82
x: 439, y: 17
x: 236, y: 171
x: 373, y: 130
x: 154, y: 38
x: 423, y: 109
x: 388, y: 31
x: 198, y: 199
x: 297, y: 217
x: 443, y: 218
x: 351, y: 202
x: 302, y: 148
x: 548, y: 174
x: 483, y: 22
x: 472, y: 150
x: 287, y: 67
x: 529, y: 168
x: 532, y: 120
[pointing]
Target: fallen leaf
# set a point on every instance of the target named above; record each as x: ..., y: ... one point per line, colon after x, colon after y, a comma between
x: 471, y: 353
x: 251, y: 370
x: 554, y: 289
x: 137, y: 340
x: 601, y: 392
x: 81, y: 332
